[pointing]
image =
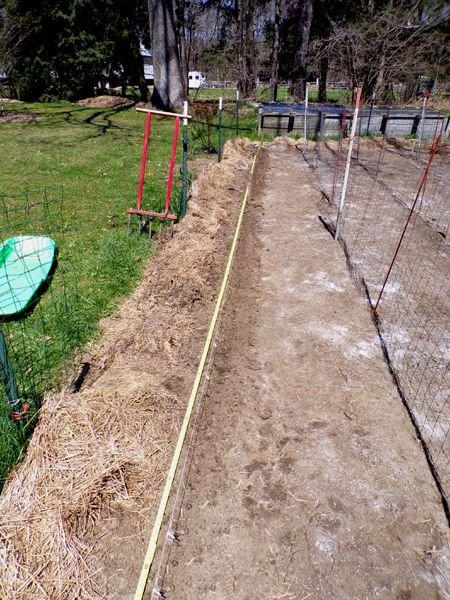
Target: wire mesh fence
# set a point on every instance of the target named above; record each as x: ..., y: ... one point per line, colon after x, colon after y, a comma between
x: 38, y: 307
x: 394, y: 227
x: 215, y: 122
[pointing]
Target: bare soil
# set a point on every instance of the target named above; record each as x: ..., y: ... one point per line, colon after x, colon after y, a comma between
x: 17, y: 118
x: 306, y: 479
x: 414, y: 311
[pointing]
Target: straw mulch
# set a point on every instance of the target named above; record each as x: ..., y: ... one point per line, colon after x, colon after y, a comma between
x: 107, y: 102
x: 105, y: 450
x: 13, y: 117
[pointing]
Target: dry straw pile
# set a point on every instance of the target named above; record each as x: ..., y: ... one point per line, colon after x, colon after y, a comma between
x: 105, y: 449
x: 106, y: 102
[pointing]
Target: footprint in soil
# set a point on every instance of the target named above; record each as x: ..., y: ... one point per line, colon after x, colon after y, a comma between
x: 266, y: 431
x: 255, y: 465
x: 335, y: 504
x: 286, y: 464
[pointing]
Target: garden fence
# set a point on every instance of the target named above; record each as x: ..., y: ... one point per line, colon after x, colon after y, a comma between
x: 38, y: 342
x: 394, y: 227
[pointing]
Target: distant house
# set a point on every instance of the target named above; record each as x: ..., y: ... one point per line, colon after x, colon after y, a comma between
x: 148, y: 65
x: 196, y: 80
x: 262, y: 77
x: 3, y: 74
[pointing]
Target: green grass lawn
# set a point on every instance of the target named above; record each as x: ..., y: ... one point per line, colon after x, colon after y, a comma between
x: 71, y: 174
x: 212, y: 94
x: 93, y: 156
x: 85, y: 162
x: 263, y: 95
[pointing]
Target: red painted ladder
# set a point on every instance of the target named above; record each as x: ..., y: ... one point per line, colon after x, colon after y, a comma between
x: 139, y: 211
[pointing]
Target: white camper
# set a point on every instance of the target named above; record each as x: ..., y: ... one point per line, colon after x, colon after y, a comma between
x: 196, y: 80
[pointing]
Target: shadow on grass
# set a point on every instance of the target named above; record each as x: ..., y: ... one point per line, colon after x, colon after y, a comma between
x: 99, y: 121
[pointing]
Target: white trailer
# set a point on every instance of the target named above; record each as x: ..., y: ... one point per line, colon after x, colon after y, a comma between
x: 196, y: 80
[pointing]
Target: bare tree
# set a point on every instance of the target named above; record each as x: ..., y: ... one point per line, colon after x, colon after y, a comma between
x: 245, y: 47
x: 168, y: 91
x: 396, y: 44
x: 197, y: 32
x: 302, y: 10
x: 275, y: 51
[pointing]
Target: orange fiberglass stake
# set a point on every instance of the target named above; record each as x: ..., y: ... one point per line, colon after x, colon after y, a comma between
x: 139, y: 211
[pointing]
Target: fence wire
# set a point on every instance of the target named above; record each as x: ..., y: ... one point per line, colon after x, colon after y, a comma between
x: 40, y: 337
x: 396, y: 187
x: 39, y: 333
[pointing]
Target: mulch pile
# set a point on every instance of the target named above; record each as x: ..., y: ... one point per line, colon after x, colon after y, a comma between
x: 11, y: 117
x: 106, y: 102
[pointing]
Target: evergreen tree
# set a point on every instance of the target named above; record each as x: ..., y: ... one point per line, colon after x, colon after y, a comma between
x: 63, y: 48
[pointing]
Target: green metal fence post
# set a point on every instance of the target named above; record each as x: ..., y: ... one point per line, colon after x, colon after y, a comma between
x: 305, y: 120
x: 237, y: 112
x: 219, y: 132
x: 372, y: 102
x: 8, y: 378
x: 184, y: 160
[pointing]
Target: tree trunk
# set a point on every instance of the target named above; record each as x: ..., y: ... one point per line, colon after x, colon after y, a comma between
x: 275, y: 52
x: 323, y: 72
x: 143, y: 88
x: 379, y: 85
x: 246, y: 49
x: 240, y: 47
x: 168, y: 90
x: 136, y: 74
x: 250, y: 53
x: 182, y: 43
x: 304, y: 9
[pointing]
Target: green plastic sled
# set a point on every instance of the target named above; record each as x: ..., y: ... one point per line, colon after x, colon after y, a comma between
x: 25, y: 263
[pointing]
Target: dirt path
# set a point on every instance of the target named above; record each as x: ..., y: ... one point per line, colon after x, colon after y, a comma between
x: 306, y: 480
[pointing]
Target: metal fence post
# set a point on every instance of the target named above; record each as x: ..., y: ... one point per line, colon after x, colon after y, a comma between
x: 219, y: 131
x: 370, y: 113
x: 184, y: 160
x: 237, y: 112
x: 8, y: 378
x: 426, y: 96
x: 347, y: 166
x: 305, y: 147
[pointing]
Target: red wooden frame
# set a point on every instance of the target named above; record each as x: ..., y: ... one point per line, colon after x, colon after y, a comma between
x: 139, y: 210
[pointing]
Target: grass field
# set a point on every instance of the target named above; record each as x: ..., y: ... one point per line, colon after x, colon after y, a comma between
x: 85, y: 163
x: 87, y: 160
x: 263, y: 95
